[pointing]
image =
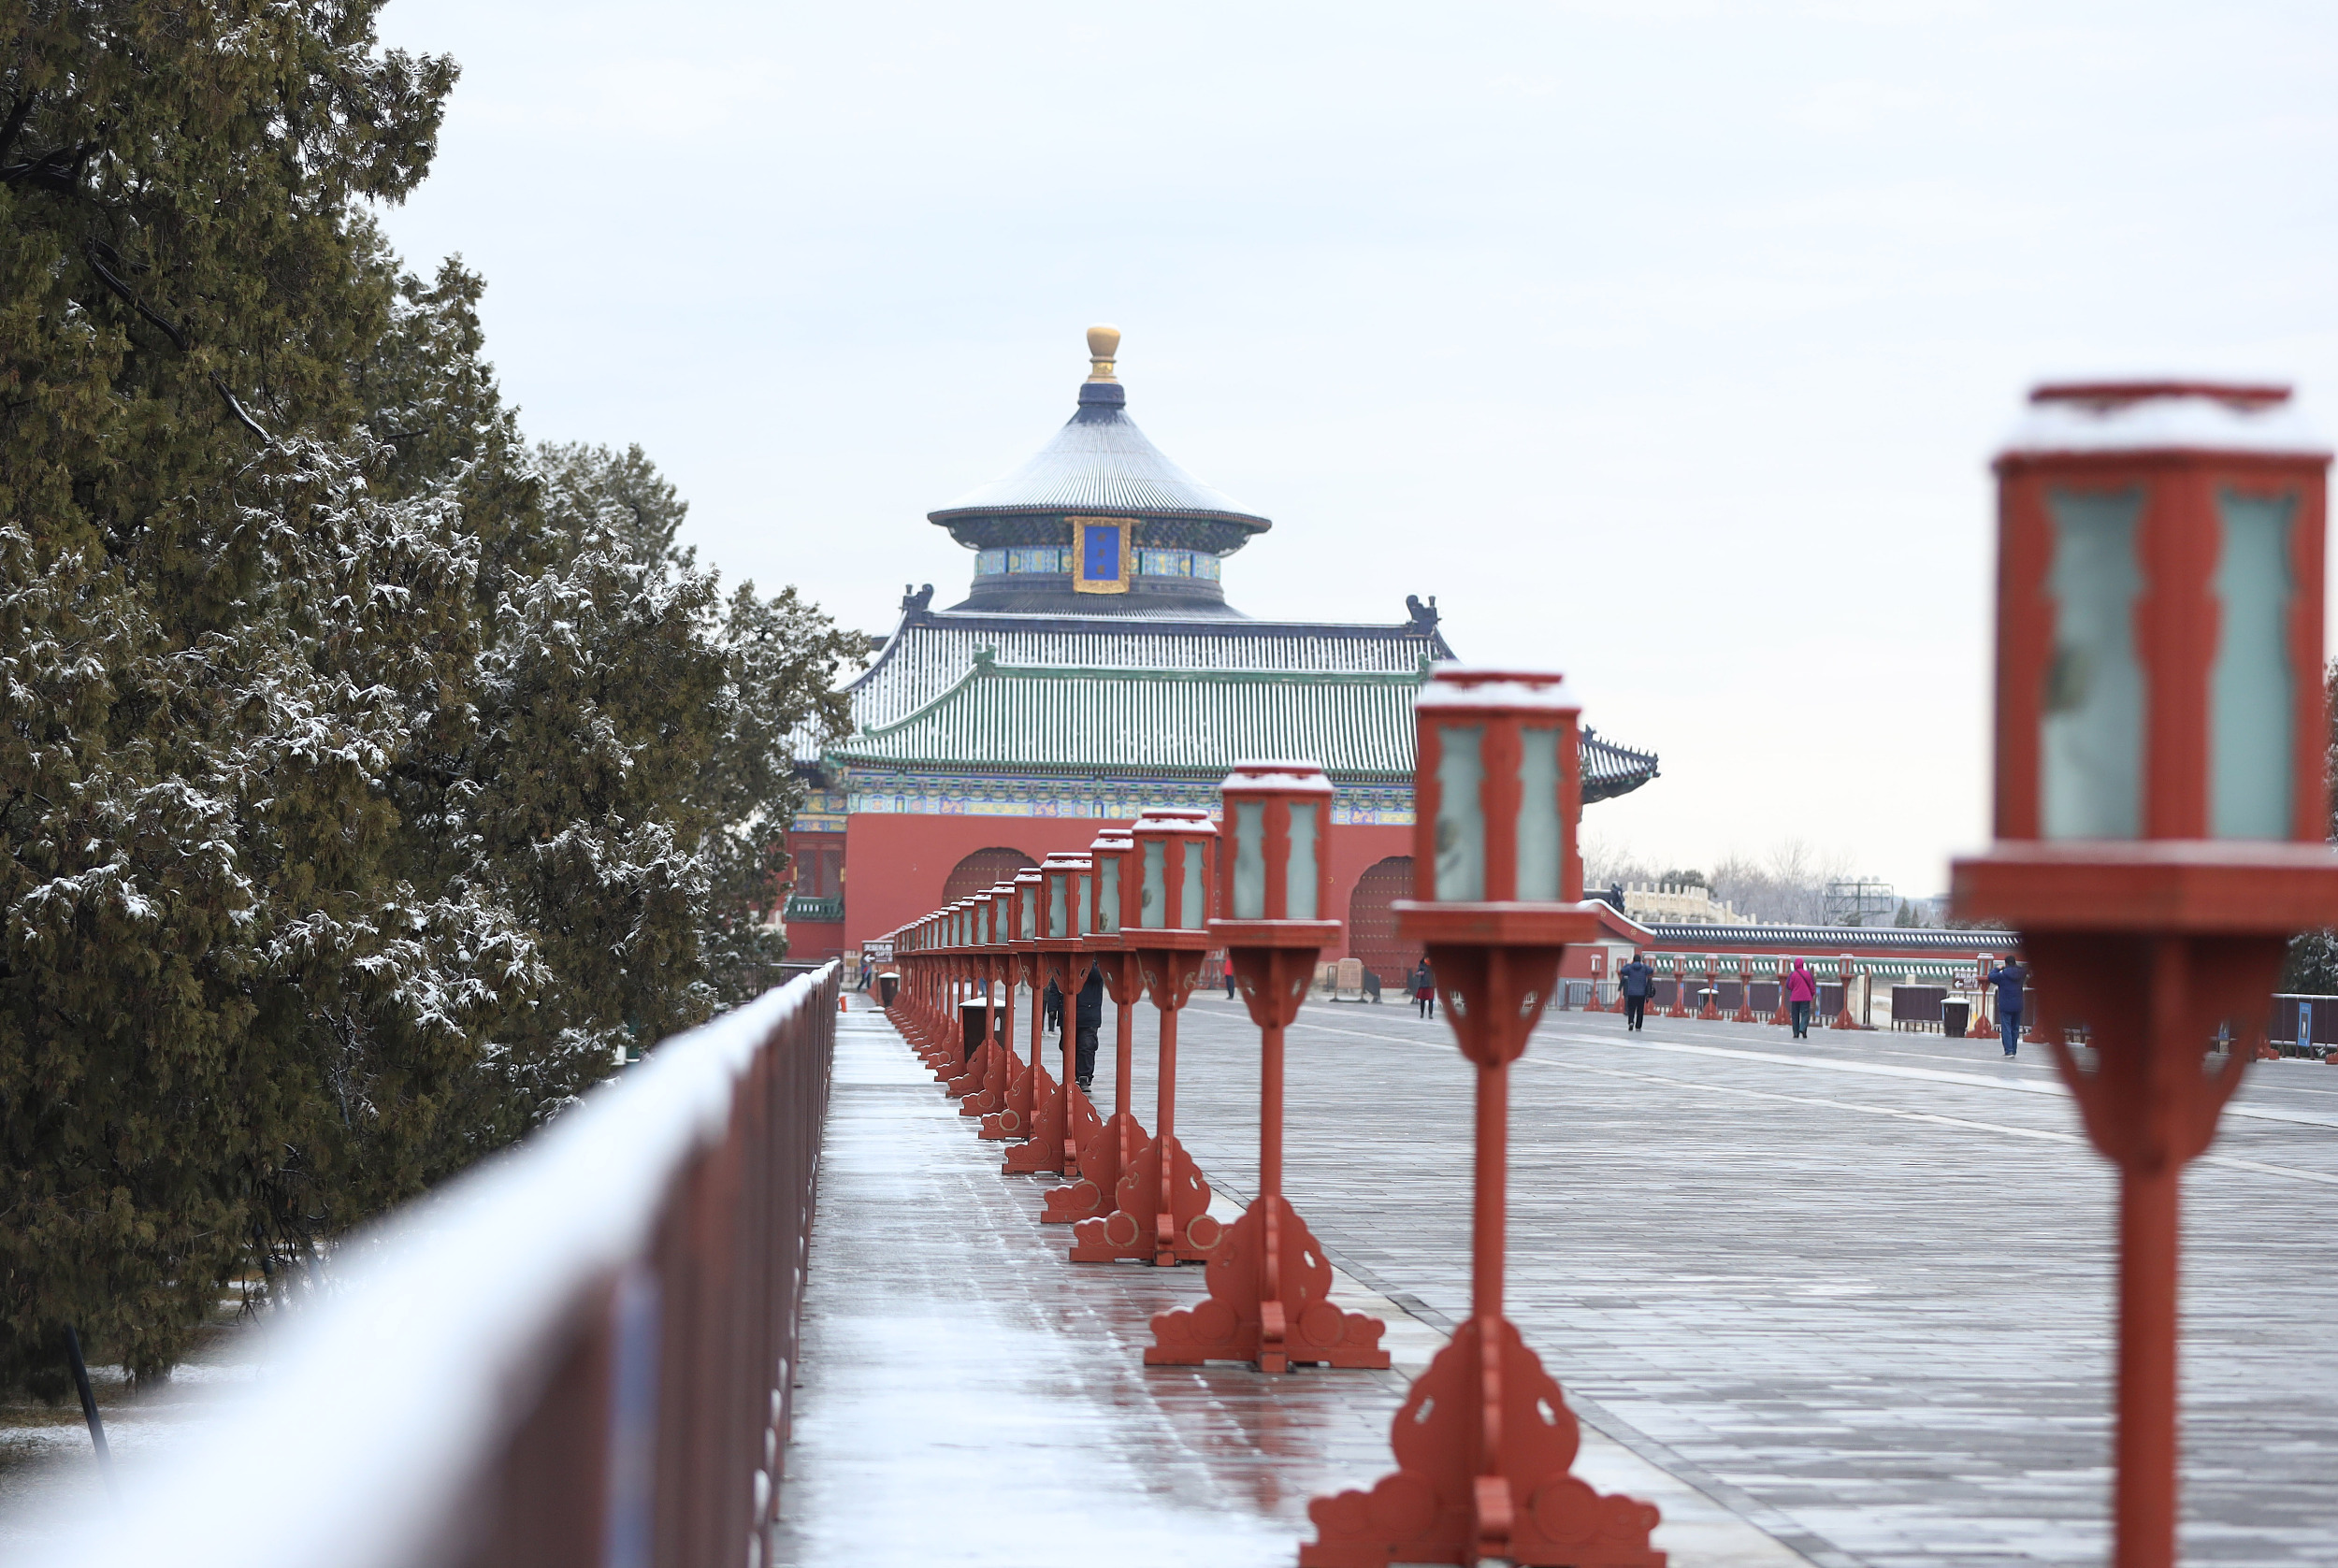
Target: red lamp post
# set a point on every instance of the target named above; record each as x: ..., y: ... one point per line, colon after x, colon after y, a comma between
x: 1680, y: 1008
x: 1484, y: 1442
x: 1111, y: 1151
x: 985, y: 1087
x: 1711, y: 1011
x: 1843, y: 1020
x: 1013, y: 1117
x: 946, y: 1048
x: 1162, y: 1210
x: 1269, y: 1283
x: 1057, y: 1125
x: 2159, y: 798
x: 984, y: 961
x: 1744, y: 1014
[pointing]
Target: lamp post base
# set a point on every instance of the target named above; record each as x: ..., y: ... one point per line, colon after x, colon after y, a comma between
x: 1457, y: 1498
x: 1109, y: 1153
x: 1044, y: 1154
x: 1024, y: 1090
x: 1161, y: 1215
x: 1269, y: 1305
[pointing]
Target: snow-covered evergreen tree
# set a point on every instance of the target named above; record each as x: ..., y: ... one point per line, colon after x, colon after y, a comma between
x: 366, y: 777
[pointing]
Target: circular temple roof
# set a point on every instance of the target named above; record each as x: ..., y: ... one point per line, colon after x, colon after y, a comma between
x: 1099, y: 462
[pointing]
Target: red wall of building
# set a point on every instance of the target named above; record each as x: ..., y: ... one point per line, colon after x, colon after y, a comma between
x: 895, y: 864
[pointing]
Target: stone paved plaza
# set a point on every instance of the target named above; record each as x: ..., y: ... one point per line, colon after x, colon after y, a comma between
x: 1850, y: 1296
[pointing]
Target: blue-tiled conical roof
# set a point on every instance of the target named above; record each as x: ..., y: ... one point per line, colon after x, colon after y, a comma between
x: 1100, y: 462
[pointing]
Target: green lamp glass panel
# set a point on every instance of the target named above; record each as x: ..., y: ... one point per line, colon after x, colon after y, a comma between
x: 1190, y: 911
x: 1299, y: 895
x: 1461, y: 818
x: 2091, y: 737
x: 1249, y: 859
x: 1152, y: 888
x: 1056, y: 922
x: 1108, y: 896
x: 1539, y: 836
x: 2252, y: 690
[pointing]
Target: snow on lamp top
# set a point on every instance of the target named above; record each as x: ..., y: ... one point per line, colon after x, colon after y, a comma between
x: 2162, y: 416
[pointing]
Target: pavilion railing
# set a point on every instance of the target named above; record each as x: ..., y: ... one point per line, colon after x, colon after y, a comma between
x: 580, y: 1353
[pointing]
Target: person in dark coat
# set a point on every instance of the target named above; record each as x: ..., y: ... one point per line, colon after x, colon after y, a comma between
x: 1425, y: 988
x: 1051, y: 1010
x: 1088, y: 1017
x: 2008, y: 978
x: 1637, y: 982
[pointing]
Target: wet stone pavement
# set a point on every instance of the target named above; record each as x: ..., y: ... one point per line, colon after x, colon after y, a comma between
x: 1847, y: 1300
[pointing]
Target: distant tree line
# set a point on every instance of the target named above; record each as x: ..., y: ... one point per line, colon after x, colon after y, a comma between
x: 369, y: 779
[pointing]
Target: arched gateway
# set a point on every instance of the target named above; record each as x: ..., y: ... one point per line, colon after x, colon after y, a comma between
x: 1372, y: 920
x: 983, y: 870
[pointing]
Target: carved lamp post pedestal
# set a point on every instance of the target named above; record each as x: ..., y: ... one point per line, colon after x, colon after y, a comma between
x: 1013, y: 1117
x: 1058, y: 1123
x: 1783, y: 1015
x: 1269, y: 1283
x: 1111, y: 1150
x: 2160, y: 800
x: 1744, y: 1014
x: 1484, y: 1442
x: 1161, y: 1212
x: 1680, y: 1008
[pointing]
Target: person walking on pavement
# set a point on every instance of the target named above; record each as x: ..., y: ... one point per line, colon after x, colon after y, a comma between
x: 1051, y: 1009
x: 1636, y: 982
x: 2008, y: 978
x: 1088, y: 1017
x: 1801, y: 991
x: 1425, y: 988
x: 1230, y: 977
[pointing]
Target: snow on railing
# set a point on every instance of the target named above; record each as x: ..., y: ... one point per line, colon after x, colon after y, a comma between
x: 579, y: 1353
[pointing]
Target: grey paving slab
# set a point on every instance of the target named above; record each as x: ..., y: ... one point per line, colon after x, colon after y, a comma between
x: 969, y: 1396
x: 1862, y: 1283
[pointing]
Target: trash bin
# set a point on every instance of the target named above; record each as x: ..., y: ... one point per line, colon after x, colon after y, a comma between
x: 1954, y: 1015
x: 888, y: 986
x: 972, y: 1025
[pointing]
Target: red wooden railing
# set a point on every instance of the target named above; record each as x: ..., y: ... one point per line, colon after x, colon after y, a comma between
x: 579, y: 1354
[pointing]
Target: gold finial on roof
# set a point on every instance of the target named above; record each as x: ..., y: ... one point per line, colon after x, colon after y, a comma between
x: 1104, y: 342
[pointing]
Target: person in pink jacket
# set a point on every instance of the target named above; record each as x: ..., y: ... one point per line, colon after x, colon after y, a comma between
x: 1801, y: 991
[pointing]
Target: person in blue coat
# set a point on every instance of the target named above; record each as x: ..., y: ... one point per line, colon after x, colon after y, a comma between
x: 2008, y: 978
x: 1636, y: 982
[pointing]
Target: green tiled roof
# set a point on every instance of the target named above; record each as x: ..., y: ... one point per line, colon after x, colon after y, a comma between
x: 1159, y: 721
x: 1174, y: 722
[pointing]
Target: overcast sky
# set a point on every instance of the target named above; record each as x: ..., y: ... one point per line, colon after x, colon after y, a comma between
x: 1665, y: 344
